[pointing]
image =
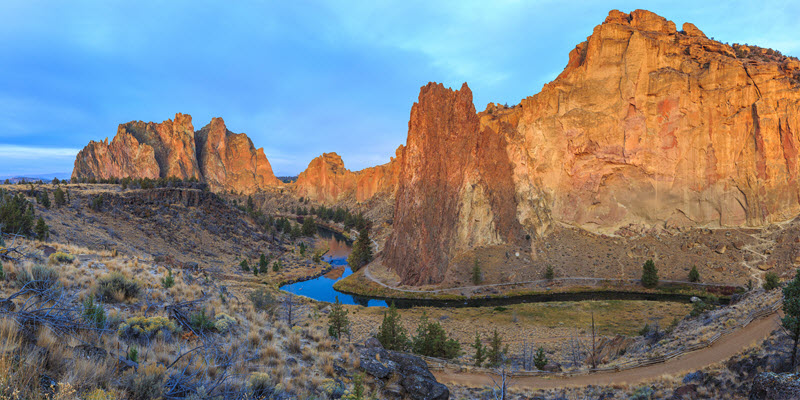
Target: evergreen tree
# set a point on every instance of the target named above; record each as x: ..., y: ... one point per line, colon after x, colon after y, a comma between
x: 694, y: 276
x: 263, y: 263
x: 540, y: 359
x: 255, y: 270
x: 477, y: 275
x: 309, y: 226
x: 549, y: 274
x: 42, y: 231
x: 276, y: 266
x: 251, y: 205
x: 296, y: 231
x: 791, y: 310
x: 432, y: 341
x: 392, y: 335
x: 338, y: 323
x: 649, y: 274
x: 771, y: 281
x: 496, y: 351
x: 480, y: 350
x: 44, y: 199
x: 245, y: 266
x: 361, y: 254
x: 59, y: 197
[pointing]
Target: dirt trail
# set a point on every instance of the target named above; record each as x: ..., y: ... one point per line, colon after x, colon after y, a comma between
x: 725, y: 348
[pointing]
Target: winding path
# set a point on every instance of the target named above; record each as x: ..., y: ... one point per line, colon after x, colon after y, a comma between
x: 723, y: 349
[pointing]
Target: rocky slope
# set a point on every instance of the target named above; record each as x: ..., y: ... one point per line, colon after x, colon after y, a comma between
x: 646, y: 127
x: 225, y: 160
x: 326, y: 180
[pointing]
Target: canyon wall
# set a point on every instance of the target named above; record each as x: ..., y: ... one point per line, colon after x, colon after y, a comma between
x: 647, y: 127
x: 326, y: 180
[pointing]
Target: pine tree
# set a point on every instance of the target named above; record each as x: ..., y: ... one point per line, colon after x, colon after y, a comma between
x: 496, y: 350
x: 392, y: 335
x: 791, y: 310
x: 59, y: 197
x: 44, y: 199
x: 694, y: 276
x: 263, y: 263
x: 480, y: 350
x: 42, y: 231
x: 338, y: 324
x: 296, y: 231
x: 276, y: 266
x: 361, y: 254
x: 245, y: 266
x: 540, y: 359
x: 477, y: 275
x: 432, y: 340
x: 309, y: 226
x: 549, y: 274
x: 649, y: 274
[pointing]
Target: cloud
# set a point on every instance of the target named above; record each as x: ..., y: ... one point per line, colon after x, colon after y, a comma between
x: 9, y: 151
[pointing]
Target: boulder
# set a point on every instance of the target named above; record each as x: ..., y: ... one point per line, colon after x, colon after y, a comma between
x: 412, y: 372
x: 772, y: 386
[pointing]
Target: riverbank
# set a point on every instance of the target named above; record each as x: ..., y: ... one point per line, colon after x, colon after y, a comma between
x: 559, y: 289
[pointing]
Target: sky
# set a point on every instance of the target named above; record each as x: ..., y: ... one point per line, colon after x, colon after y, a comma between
x: 299, y: 77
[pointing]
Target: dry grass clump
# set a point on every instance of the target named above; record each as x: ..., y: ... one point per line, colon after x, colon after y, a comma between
x: 294, y: 343
x: 146, y: 384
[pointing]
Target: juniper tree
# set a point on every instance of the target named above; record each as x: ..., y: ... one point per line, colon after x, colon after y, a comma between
x: 477, y: 276
x: 338, y: 323
x: 41, y: 230
x: 791, y: 310
x: 496, y: 351
x: 361, y: 254
x: 694, y: 276
x: 432, y: 340
x: 649, y: 274
x: 309, y: 226
x: 480, y: 350
x: 59, y: 197
x: 540, y: 359
x: 244, y: 265
x: 391, y: 334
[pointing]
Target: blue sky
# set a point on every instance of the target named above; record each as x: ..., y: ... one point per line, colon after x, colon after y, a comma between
x: 299, y: 77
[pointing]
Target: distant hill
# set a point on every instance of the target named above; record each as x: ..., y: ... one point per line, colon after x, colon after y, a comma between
x: 37, y: 177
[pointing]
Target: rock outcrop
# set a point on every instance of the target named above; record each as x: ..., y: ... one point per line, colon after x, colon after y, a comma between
x: 171, y: 149
x: 772, y: 386
x: 410, y: 374
x: 229, y: 161
x: 326, y: 180
x: 646, y: 126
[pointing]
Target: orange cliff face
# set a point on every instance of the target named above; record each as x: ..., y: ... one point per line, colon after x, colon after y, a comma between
x: 646, y: 126
x: 229, y: 161
x: 326, y: 180
x: 226, y: 161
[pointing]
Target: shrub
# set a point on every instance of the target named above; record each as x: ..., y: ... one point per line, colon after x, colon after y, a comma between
x: 169, y: 280
x: 261, y: 385
x: 262, y: 300
x: 771, y: 281
x: 224, y: 323
x: 700, y: 307
x: 97, y: 203
x: 39, y: 277
x: 133, y: 354
x: 94, y: 313
x: 147, y: 384
x: 244, y: 265
x: 694, y: 276
x: 201, y: 321
x: 649, y: 274
x: 276, y: 266
x: 61, y: 258
x: 116, y: 287
x: 146, y: 328
x: 645, y: 330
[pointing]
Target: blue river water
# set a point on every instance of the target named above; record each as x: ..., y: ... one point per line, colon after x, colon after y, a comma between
x: 321, y: 288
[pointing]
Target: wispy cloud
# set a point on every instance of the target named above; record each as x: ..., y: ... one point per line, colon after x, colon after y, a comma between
x: 11, y: 151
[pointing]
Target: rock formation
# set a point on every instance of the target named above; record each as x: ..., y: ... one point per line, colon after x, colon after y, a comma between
x: 326, y: 180
x: 225, y: 160
x: 646, y: 126
x: 229, y: 161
